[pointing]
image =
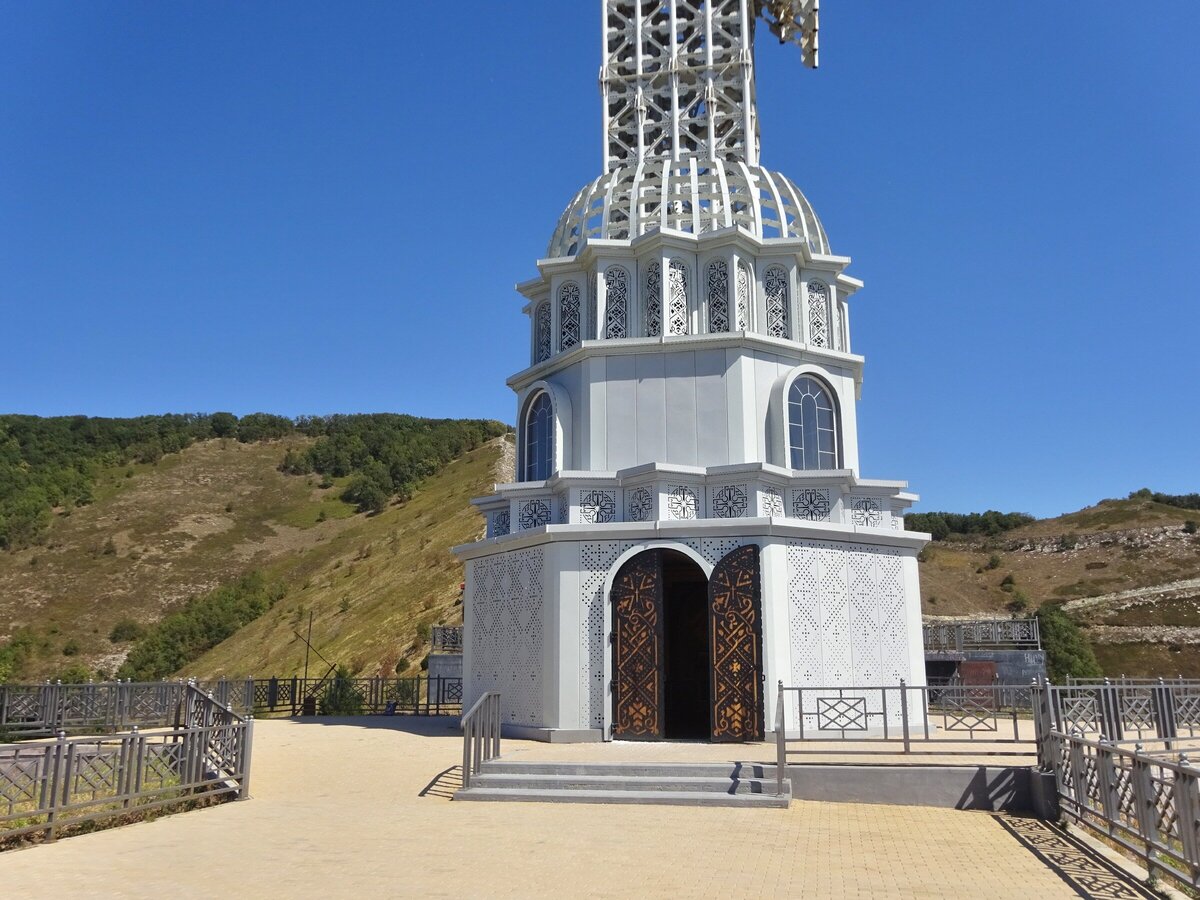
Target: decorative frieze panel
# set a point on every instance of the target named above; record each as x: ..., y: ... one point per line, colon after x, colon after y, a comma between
x: 533, y: 513
x: 812, y: 504
x: 639, y: 505
x: 718, y: 296
x: 745, y: 296
x: 775, y: 287
x: 616, y: 302
x: 730, y: 501
x: 818, y: 314
x: 569, y: 315
x: 772, y: 503
x: 867, y: 512
x: 598, y: 507
x: 499, y: 523
x: 542, y: 345
x: 505, y: 631
x: 677, y: 304
x: 653, y: 300
x: 682, y: 502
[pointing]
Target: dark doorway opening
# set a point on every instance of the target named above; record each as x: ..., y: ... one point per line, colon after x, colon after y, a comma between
x: 687, y: 667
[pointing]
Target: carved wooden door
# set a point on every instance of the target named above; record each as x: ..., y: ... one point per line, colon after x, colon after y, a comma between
x: 735, y: 637
x: 637, y: 596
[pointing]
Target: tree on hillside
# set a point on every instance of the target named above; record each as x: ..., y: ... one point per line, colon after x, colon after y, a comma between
x: 1067, y: 649
x: 224, y: 424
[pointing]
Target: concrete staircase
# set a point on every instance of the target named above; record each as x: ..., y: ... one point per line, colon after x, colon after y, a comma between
x: 664, y: 784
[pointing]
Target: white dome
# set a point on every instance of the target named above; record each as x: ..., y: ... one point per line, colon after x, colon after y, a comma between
x: 689, y: 195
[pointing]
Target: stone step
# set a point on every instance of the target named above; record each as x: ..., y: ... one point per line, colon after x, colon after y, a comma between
x: 633, y: 769
x: 651, y: 798
x: 625, y: 782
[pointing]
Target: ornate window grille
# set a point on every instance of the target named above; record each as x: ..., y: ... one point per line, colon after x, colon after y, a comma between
x: 677, y: 307
x: 775, y: 283
x: 654, y: 299
x: 542, y: 347
x: 569, y: 309
x: 718, y: 296
x: 818, y: 314
x: 539, y: 438
x: 745, y: 296
x: 812, y: 425
x: 616, y: 303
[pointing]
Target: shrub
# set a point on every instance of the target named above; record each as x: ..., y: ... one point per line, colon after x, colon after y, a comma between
x: 1008, y: 583
x: 993, y: 561
x: 71, y: 648
x: 125, y: 630
x: 1068, y: 541
x: 342, y: 698
x: 1067, y: 649
x: 1189, y: 527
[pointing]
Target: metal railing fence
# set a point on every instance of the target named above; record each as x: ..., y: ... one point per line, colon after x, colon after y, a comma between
x: 481, y: 735
x: 42, y: 710
x: 1146, y: 804
x: 942, y: 719
x: 48, y: 786
x: 447, y: 639
x: 983, y: 634
x: 1121, y: 710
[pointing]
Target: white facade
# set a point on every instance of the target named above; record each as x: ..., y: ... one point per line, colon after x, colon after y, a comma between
x: 691, y: 387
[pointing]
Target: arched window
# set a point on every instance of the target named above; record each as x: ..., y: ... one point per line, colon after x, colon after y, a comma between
x: 568, y: 315
x: 818, y: 314
x: 538, y: 448
x: 812, y: 425
x: 616, y: 302
x: 775, y: 284
x: 677, y: 308
x: 718, y: 296
x: 542, y: 345
x: 744, y: 296
x: 654, y: 299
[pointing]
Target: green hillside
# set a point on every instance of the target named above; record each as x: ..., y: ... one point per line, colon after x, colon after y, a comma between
x: 180, y: 524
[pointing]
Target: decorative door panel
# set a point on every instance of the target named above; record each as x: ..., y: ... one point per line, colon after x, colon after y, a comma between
x: 637, y: 596
x: 735, y: 637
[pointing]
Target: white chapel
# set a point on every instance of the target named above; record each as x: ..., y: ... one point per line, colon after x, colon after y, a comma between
x: 689, y: 525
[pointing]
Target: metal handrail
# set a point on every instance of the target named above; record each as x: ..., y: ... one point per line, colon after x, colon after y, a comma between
x: 780, y: 743
x: 481, y: 735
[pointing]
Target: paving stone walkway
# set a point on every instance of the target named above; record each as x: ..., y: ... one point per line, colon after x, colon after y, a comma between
x: 356, y: 808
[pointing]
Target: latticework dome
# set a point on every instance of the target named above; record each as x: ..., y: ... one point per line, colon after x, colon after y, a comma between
x: 689, y: 195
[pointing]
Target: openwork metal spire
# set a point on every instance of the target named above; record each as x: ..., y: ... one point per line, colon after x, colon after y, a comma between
x: 678, y: 76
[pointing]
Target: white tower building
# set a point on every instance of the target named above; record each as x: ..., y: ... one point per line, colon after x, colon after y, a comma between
x: 689, y: 524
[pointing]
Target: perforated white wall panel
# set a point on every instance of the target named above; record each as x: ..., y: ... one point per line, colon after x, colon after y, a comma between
x: 505, y: 625
x: 847, y: 616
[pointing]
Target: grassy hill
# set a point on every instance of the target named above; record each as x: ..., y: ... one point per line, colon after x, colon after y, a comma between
x: 1119, y: 553
x: 157, y: 534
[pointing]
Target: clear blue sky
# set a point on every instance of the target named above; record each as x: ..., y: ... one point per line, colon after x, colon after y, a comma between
x: 310, y: 208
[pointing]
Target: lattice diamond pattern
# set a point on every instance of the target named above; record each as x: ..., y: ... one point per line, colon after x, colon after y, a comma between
x: 744, y: 296
x: 595, y: 561
x: 718, y: 296
x: 775, y: 284
x: 677, y: 309
x: 842, y: 713
x: 616, y: 302
x: 569, y: 319
x: 542, y: 347
x: 653, y: 299
x: 818, y: 314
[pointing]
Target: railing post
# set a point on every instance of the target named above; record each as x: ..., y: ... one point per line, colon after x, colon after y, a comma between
x: 246, y: 755
x: 1163, y: 703
x: 1143, y: 800
x: 1107, y: 777
x: 1078, y: 779
x: 780, y: 740
x: 1187, y: 809
x: 903, y: 716
x: 52, y: 791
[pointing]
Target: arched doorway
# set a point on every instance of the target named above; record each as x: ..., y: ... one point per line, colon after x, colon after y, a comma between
x: 687, y: 650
